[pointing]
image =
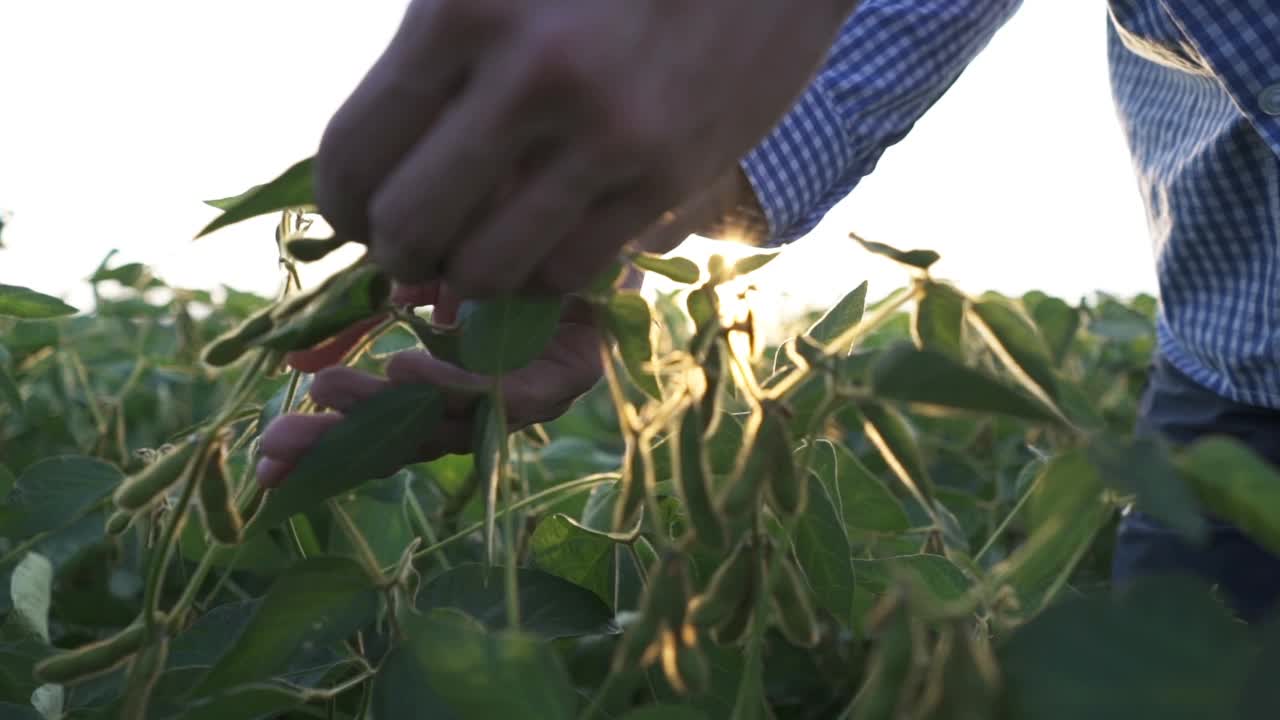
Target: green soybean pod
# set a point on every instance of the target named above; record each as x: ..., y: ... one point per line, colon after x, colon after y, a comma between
x: 685, y: 666
x: 313, y: 249
x: 635, y: 644
x: 729, y: 585
x: 144, y: 672
x: 788, y: 490
x: 228, y: 347
x: 635, y: 469
x: 221, y: 518
x: 690, y: 478
x: 118, y: 522
x: 358, y: 294
x: 791, y: 604
x: 890, y: 663
x: 733, y: 629
x: 740, y: 496
x: 82, y: 663
x: 142, y: 488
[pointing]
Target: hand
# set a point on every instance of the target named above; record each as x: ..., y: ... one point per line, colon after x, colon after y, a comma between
x: 509, y: 145
x: 539, y: 392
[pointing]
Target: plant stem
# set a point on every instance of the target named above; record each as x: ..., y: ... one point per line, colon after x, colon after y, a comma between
x: 571, y: 488
x: 424, y: 525
x: 845, y: 340
x: 160, y: 560
x: 357, y: 540
x: 1017, y: 508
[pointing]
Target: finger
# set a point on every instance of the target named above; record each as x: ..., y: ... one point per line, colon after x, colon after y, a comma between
x: 289, y: 437
x: 544, y: 391
x: 342, y: 388
x: 445, y: 311
x: 271, y: 472
x: 451, y: 437
x: 415, y: 295
x: 395, y: 103
x: 448, y: 175
x: 461, y: 388
x: 599, y: 236
x: 331, y: 351
x: 502, y: 252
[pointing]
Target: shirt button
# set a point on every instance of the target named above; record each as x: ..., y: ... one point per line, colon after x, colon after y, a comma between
x: 1269, y: 100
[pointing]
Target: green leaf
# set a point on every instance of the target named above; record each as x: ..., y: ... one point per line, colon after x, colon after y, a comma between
x: 19, y: 653
x: 1016, y: 341
x: 1167, y: 650
x: 566, y: 550
x: 291, y: 189
x: 752, y: 263
x: 31, y: 588
x: 938, y: 323
x: 398, y: 339
x: 894, y: 437
x: 664, y: 712
x: 7, y: 480
x: 256, y: 700
x: 378, y: 437
x: 921, y: 259
x: 864, y: 501
x: 53, y: 492
x: 9, y: 390
x: 479, y: 675
x: 1236, y: 485
x: 681, y: 270
x: 629, y: 321
x: 318, y: 602
x: 402, y: 691
x: 923, y: 377
x: 27, y: 304
x: 550, y: 606
x: 1058, y: 323
x: 842, y: 317
x: 128, y: 275
x: 9, y: 711
x: 1143, y: 467
x: 934, y: 573
x: 822, y: 547
x: 1065, y: 513
x: 506, y: 333
x: 378, y: 510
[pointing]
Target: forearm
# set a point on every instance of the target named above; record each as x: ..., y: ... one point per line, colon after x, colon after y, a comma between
x: 892, y: 62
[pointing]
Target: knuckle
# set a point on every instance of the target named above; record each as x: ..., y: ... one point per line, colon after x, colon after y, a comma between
x: 340, y: 193
x: 478, y: 283
x: 634, y: 134
x: 471, y: 18
x: 561, y: 278
x: 560, y: 59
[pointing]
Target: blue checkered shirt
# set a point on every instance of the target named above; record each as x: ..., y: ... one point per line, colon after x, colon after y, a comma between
x: 1197, y: 88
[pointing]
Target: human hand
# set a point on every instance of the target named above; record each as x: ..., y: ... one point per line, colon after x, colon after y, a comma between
x: 542, y: 135
x: 541, y: 391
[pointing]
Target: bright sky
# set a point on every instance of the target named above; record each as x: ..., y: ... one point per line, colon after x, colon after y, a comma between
x: 120, y: 117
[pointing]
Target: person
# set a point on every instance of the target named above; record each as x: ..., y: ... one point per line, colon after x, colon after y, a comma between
x: 502, y: 147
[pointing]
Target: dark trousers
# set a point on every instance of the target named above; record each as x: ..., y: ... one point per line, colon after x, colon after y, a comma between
x: 1181, y: 410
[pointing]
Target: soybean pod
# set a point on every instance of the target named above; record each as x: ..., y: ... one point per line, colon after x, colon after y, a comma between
x: 221, y: 518
x: 690, y: 475
x: 142, y: 488
x: 72, y: 666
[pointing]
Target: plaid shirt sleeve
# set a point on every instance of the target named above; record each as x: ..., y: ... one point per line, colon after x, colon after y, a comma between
x: 891, y: 63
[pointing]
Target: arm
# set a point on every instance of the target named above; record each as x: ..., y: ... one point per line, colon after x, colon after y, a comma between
x: 893, y: 60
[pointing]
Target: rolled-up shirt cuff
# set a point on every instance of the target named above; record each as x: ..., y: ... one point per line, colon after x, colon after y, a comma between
x: 795, y: 167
